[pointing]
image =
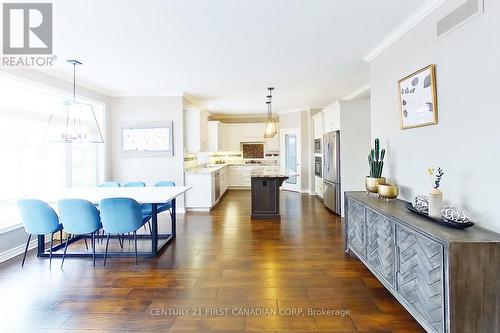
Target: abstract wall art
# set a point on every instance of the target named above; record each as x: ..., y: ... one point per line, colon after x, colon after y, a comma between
x: 418, y: 98
x: 147, y: 139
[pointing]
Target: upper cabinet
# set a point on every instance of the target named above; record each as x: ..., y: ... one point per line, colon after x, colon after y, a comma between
x: 195, y: 130
x: 217, y: 136
x: 318, y: 125
x: 331, y: 118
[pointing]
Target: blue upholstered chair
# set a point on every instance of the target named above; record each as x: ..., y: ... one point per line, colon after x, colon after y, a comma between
x: 79, y: 217
x: 121, y: 216
x: 38, y: 219
x: 135, y: 184
x: 147, y: 209
x: 109, y: 184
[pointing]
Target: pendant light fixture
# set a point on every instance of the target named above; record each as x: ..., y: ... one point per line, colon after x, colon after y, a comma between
x: 270, y: 130
x: 75, y: 121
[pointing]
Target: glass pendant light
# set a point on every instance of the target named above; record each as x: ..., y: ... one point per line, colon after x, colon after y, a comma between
x: 75, y: 121
x: 271, y: 129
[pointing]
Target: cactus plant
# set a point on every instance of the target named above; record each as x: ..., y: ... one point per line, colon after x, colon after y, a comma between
x: 376, y: 160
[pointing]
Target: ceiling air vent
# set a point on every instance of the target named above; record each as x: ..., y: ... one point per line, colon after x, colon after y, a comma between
x: 469, y: 10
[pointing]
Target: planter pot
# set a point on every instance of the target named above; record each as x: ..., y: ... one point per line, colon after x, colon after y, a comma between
x: 388, y: 191
x: 435, y: 203
x: 372, y: 184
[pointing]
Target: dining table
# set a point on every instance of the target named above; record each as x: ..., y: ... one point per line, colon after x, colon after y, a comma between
x: 153, y: 195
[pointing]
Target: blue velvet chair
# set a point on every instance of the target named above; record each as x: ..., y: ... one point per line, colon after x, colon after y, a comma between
x: 121, y: 216
x: 38, y: 219
x: 135, y: 184
x: 109, y: 184
x: 79, y: 217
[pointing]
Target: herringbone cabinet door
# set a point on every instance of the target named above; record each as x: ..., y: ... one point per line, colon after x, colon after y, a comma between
x: 380, y: 244
x: 420, y: 278
x: 356, y: 227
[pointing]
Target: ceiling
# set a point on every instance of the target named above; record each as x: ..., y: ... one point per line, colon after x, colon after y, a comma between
x: 224, y: 53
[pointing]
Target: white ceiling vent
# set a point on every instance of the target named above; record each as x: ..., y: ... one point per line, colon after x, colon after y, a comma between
x: 469, y: 10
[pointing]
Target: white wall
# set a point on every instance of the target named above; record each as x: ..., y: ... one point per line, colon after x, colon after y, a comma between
x: 466, y: 142
x: 354, y: 145
x: 147, y: 169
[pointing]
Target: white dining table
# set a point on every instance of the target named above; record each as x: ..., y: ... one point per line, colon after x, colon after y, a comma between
x: 155, y: 196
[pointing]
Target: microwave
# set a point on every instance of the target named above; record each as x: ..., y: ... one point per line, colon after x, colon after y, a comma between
x: 317, y: 146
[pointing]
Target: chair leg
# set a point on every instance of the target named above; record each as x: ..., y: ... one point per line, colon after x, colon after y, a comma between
x: 65, y: 249
x: 106, y: 252
x: 60, y: 236
x: 93, y: 247
x: 135, y: 246
x: 150, y: 230
x: 26, y: 249
x: 120, y: 240
x: 50, y: 250
x: 86, y: 245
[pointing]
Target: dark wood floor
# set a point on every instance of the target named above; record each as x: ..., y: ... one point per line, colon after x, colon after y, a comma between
x: 219, y: 261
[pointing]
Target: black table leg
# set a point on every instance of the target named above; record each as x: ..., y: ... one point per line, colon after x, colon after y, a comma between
x: 154, y: 231
x: 41, y: 245
x: 174, y: 219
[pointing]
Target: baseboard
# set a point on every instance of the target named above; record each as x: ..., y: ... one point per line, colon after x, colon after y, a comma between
x: 306, y: 191
x: 14, y: 252
x: 195, y: 209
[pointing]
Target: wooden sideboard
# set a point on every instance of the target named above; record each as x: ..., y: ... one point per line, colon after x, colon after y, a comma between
x: 448, y: 279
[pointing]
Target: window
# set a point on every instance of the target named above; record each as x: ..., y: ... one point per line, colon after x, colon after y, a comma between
x: 28, y: 165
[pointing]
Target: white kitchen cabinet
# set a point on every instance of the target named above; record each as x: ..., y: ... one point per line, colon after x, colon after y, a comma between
x: 201, y: 196
x: 318, y: 125
x: 318, y: 186
x: 195, y: 130
x: 331, y: 118
x: 224, y: 180
x: 217, y: 136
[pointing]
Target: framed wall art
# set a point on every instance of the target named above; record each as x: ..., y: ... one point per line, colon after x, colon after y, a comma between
x: 418, y: 98
x: 147, y: 139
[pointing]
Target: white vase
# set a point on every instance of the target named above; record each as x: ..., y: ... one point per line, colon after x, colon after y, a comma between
x: 435, y: 203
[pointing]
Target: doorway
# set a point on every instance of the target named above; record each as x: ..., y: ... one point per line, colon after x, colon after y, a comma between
x: 290, y: 158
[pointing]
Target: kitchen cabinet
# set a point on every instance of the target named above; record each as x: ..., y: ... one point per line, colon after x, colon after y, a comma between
x: 195, y: 130
x: 217, y: 136
x: 318, y: 125
x: 331, y: 118
x: 318, y: 186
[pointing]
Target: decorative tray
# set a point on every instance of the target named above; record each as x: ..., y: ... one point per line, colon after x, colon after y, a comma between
x: 442, y: 220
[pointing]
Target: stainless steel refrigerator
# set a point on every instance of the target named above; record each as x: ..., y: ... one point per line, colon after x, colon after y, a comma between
x: 331, y: 171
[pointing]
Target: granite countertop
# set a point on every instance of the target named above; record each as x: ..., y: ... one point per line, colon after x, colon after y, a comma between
x: 217, y: 167
x: 269, y: 174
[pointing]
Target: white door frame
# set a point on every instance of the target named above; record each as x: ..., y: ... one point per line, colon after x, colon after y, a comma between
x: 286, y: 186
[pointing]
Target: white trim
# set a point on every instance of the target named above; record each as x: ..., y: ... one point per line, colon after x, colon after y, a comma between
x: 306, y: 191
x: 146, y: 93
x: 411, y: 21
x: 10, y: 228
x: 11, y: 253
x: 195, y: 209
x: 291, y: 111
x: 357, y: 92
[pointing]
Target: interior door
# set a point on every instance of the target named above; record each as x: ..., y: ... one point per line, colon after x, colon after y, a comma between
x: 290, y: 158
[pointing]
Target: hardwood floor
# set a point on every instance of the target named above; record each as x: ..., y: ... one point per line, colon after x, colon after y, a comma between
x: 219, y: 262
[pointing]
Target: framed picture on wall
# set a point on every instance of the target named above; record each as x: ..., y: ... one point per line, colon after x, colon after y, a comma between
x: 418, y: 98
x: 143, y: 139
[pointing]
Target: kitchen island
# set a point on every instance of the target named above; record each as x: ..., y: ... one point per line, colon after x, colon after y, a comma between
x: 265, y: 196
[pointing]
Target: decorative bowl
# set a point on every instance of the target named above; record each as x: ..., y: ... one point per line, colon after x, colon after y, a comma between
x: 372, y: 184
x: 388, y: 191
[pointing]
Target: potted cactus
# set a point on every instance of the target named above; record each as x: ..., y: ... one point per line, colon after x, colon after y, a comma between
x: 376, y: 163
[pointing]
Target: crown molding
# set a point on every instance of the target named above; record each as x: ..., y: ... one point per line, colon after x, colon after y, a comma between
x: 356, y: 92
x: 409, y: 23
